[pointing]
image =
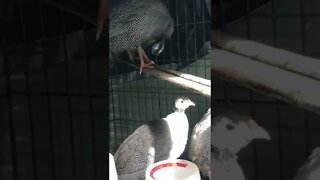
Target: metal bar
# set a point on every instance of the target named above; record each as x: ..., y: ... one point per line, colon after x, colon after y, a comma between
x: 69, y: 102
x: 47, y: 94
x: 252, y: 102
x: 274, y: 24
x: 89, y: 83
x: 248, y: 23
x: 27, y: 74
x: 222, y: 15
x: 307, y: 133
x: 10, y: 110
x: 303, y: 24
x: 275, y: 44
x: 281, y: 163
x: 177, y: 29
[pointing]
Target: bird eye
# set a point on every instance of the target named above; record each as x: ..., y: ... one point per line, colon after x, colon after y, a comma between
x: 229, y: 127
x: 181, y: 101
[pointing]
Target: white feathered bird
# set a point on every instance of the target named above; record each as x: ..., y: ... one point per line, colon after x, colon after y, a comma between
x: 154, y: 141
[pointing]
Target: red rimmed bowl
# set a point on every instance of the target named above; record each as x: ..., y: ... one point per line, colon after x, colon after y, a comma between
x: 177, y: 169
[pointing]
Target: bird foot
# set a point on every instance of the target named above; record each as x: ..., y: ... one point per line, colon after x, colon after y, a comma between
x: 147, y: 65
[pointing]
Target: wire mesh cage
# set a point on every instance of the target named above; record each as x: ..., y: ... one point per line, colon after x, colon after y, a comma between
x: 136, y: 99
x: 53, y: 95
x: 289, y: 25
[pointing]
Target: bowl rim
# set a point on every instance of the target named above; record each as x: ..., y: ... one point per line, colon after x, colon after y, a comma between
x: 153, y: 168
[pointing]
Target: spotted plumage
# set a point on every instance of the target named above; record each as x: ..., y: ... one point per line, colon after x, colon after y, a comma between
x: 137, y: 24
x: 199, y: 148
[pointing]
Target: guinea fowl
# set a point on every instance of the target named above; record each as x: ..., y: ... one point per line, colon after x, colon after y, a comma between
x: 152, y: 142
x: 230, y: 133
x: 138, y: 24
x: 310, y: 170
x: 199, y: 148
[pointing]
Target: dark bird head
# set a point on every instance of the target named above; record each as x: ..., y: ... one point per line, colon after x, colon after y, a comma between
x: 182, y: 103
x: 232, y: 132
x: 161, y: 34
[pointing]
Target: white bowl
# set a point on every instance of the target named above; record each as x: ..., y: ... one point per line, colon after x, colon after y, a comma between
x: 176, y: 169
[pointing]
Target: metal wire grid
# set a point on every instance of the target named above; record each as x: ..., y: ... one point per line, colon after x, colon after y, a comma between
x: 289, y: 25
x: 47, y: 132
x: 136, y: 99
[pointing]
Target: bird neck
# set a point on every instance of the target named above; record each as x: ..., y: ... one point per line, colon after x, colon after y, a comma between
x: 222, y: 154
x: 177, y: 119
x: 178, y: 110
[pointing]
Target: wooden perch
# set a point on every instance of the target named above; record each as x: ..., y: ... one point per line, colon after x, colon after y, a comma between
x: 192, y: 83
x: 306, y: 66
x: 288, y: 86
x: 189, y: 77
x: 186, y: 81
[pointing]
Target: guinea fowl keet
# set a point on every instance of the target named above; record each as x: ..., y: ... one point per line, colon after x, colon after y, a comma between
x: 152, y: 142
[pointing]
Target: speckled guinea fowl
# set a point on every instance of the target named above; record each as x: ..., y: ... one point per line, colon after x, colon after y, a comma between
x: 137, y: 24
x: 200, y: 145
x: 152, y: 142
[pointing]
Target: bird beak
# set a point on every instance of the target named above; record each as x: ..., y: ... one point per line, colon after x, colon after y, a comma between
x: 191, y: 103
x: 259, y: 132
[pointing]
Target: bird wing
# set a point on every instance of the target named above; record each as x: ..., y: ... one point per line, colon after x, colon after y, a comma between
x: 129, y: 157
x: 119, y: 21
x: 148, y: 144
x: 201, y: 133
x: 122, y: 14
x: 134, y: 13
x: 310, y: 170
x: 199, y: 148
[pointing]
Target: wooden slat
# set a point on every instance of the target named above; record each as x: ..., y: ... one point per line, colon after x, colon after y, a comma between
x: 288, y: 86
x: 306, y: 66
x: 190, y: 77
x: 184, y: 80
x: 190, y: 83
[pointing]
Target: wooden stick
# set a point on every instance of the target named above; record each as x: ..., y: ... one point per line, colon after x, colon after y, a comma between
x: 186, y: 81
x: 288, y: 86
x: 180, y: 81
x: 190, y: 77
x: 306, y: 66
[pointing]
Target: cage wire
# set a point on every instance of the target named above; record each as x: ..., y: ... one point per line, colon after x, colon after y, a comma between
x: 291, y: 25
x: 136, y: 99
x: 53, y: 96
